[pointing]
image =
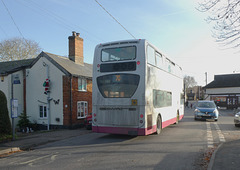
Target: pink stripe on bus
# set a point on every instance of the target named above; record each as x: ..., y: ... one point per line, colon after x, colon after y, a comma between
x: 136, y: 131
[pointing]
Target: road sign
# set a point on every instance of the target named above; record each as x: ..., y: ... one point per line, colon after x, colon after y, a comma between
x: 14, y: 105
x: 16, y: 79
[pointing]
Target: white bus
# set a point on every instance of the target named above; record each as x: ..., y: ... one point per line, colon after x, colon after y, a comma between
x: 136, y: 89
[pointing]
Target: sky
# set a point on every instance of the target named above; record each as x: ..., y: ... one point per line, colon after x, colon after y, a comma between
x: 175, y: 27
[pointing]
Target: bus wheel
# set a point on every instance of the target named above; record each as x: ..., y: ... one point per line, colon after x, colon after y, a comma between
x: 159, y: 125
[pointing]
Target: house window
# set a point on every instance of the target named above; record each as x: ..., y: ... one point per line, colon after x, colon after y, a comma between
x: 82, y: 109
x: 43, y: 111
x: 82, y: 84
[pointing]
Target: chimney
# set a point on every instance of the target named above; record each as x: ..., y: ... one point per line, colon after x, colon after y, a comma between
x: 75, y: 48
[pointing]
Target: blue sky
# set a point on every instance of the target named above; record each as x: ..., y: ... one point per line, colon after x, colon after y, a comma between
x: 175, y: 27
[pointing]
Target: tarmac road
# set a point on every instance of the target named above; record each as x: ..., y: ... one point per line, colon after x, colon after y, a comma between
x: 187, y: 145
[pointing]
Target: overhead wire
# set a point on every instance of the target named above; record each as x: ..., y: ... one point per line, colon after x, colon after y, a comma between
x: 58, y: 19
x: 12, y: 19
x: 115, y: 19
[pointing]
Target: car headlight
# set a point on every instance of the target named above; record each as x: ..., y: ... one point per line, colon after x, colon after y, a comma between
x: 237, y: 115
x: 197, y: 111
x: 215, y: 111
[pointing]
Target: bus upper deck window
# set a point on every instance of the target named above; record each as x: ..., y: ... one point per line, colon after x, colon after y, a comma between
x: 118, y: 54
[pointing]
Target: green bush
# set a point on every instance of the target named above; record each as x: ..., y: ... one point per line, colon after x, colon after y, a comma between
x: 5, y: 124
x: 24, y: 121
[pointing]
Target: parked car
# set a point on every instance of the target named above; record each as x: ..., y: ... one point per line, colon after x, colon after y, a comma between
x: 88, y: 121
x: 237, y: 119
x: 206, y: 110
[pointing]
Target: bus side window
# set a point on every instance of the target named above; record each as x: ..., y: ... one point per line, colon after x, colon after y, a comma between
x: 151, y: 55
x: 169, y: 69
x: 105, y: 56
x: 159, y: 60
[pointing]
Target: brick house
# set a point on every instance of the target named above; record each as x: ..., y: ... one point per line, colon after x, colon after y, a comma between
x: 69, y: 98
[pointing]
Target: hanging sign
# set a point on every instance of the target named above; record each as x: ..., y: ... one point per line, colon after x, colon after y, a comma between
x: 14, y: 105
x: 16, y: 79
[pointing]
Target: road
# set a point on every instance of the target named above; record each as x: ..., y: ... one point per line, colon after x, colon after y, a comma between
x: 186, y: 145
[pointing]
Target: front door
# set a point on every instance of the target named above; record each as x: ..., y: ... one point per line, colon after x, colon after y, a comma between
x: 232, y: 102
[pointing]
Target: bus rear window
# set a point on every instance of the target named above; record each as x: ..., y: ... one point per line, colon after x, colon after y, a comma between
x: 118, y: 85
x: 118, y: 54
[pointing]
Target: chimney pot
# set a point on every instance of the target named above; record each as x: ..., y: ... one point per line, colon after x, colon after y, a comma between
x: 74, y: 33
x: 78, y: 34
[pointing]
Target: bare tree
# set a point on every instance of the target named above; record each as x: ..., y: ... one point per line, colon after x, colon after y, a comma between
x: 17, y: 49
x: 226, y: 17
x: 189, y: 81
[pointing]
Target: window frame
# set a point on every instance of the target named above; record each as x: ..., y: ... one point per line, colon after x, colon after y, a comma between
x: 44, y: 111
x: 83, y: 87
x: 80, y: 109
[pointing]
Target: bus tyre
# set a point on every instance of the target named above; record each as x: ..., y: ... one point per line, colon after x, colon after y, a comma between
x: 159, y: 125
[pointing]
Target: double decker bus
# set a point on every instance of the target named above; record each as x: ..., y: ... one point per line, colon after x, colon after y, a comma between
x: 136, y: 89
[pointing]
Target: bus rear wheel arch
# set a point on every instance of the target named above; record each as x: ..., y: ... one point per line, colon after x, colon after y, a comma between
x: 159, y: 125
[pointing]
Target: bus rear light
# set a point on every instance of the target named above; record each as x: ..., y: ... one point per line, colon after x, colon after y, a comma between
x: 94, y: 115
x: 98, y: 65
x: 141, y: 121
x: 95, y: 120
x: 141, y: 115
x: 138, y: 63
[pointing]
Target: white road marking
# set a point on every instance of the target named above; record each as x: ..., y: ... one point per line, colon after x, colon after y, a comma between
x: 209, y: 136
x: 220, y: 135
x: 30, y: 161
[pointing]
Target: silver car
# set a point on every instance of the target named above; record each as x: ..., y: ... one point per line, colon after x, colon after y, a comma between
x: 237, y: 119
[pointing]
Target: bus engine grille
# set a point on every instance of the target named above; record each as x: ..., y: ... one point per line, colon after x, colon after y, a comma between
x: 118, y: 116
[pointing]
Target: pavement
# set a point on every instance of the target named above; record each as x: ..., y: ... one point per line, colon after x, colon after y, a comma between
x: 27, y: 141
x: 225, y: 156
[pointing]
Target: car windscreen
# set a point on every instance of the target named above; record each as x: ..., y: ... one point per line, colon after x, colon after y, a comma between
x: 206, y: 105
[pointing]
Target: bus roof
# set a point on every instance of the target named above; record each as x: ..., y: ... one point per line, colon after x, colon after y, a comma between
x: 132, y: 41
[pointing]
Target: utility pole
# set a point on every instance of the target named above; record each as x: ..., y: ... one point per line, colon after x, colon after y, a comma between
x: 13, y: 126
x: 48, y: 101
x: 48, y: 96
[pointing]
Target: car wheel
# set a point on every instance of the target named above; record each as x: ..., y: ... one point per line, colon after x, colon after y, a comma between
x: 237, y: 125
x: 159, y: 125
